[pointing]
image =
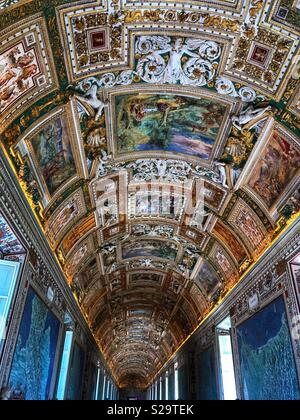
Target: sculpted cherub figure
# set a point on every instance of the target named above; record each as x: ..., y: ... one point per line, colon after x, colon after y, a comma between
x: 91, y: 98
x: 248, y: 115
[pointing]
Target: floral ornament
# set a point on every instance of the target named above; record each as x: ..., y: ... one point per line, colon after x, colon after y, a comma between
x: 226, y: 87
x: 176, y: 60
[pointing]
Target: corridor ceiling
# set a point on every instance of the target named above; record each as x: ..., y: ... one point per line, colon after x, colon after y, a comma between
x: 158, y: 145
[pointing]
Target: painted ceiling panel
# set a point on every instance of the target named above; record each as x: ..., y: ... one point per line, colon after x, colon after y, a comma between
x: 158, y: 145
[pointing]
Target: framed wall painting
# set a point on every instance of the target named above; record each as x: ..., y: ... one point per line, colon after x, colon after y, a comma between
x: 266, y: 357
x: 34, y: 358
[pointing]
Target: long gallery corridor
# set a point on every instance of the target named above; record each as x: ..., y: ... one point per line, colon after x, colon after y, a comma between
x: 149, y: 200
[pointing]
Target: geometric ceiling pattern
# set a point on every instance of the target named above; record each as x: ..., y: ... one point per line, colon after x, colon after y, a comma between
x: 158, y: 145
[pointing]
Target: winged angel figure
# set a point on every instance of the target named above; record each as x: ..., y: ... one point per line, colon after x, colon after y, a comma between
x: 162, y: 60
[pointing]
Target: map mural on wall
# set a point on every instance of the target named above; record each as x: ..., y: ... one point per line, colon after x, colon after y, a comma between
x: 169, y: 123
x: 277, y: 166
x: 76, y: 373
x: 159, y: 249
x: 52, y: 148
x: 207, y: 389
x: 33, y: 362
x: 267, y: 362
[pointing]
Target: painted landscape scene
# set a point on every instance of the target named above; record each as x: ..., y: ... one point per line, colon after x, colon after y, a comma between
x: 278, y: 165
x: 168, y: 123
x: 54, y: 155
x: 158, y: 249
x: 207, y: 278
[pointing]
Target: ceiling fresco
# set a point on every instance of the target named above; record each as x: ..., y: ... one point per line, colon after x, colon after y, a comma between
x: 158, y: 145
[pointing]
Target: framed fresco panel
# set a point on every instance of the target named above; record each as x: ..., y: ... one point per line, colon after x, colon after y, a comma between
x: 153, y: 249
x: 65, y: 216
x: 27, y: 69
x: 224, y: 263
x: 230, y: 241
x: 80, y: 231
x: 267, y: 365
x: 207, y: 278
x: 198, y: 297
x: 34, y: 358
x: 273, y: 168
x: 56, y: 152
x: 249, y: 226
x: 184, y: 124
x: 79, y: 255
x: 9, y: 243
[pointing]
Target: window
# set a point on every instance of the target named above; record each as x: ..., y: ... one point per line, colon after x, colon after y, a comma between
x: 112, y: 392
x: 8, y: 276
x: 98, y: 383
x: 228, y: 386
x: 176, y: 382
x: 160, y: 389
x: 107, y: 390
x: 104, y: 387
x: 63, y: 375
x: 167, y: 387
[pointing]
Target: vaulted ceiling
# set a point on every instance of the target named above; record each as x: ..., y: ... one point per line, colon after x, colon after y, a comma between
x: 158, y: 145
